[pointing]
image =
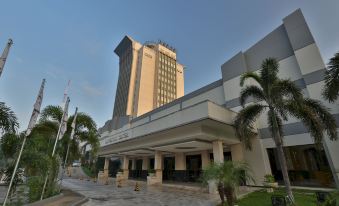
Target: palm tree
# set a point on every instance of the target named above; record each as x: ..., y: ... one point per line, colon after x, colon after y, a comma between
x: 8, y: 120
x: 331, y: 88
x: 36, y: 159
x: 281, y: 99
x: 85, y: 131
x: 229, y: 176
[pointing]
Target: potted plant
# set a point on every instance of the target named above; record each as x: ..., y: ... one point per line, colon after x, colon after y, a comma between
x: 270, y: 182
x: 120, y: 171
x: 228, y: 176
x: 151, y: 172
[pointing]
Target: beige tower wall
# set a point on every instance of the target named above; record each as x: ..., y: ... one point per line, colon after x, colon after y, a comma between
x: 131, y: 94
x: 180, y: 80
x: 145, y: 82
x: 138, y: 91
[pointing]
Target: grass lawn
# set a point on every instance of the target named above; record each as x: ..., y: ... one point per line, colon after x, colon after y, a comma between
x: 262, y: 198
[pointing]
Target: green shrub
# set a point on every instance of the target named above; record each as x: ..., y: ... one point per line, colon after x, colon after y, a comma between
x: 269, y: 178
x: 35, y: 185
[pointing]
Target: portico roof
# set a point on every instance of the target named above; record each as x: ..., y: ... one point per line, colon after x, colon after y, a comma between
x: 176, y: 129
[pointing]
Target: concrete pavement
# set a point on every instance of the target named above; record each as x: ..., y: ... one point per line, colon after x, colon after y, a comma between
x: 105, y: 195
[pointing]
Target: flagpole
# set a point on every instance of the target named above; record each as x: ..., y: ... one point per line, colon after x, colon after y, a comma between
x: 71, y: 138
x: 5, y: 55
x: 55, y: 144
x: 31, y: 124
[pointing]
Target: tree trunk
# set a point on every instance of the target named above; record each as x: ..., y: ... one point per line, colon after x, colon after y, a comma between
x: 221, y: 193
x: 229, y: 193
x: 282, y: 159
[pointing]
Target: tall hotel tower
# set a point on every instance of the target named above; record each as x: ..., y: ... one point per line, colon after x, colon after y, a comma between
x: 149, y: 77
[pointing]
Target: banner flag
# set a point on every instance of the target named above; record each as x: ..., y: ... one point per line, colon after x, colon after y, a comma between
x: 73, y: 123
x: 36, y: 109
x: 64, y: 120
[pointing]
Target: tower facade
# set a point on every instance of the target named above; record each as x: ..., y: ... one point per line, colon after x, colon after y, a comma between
x: 149, y: 77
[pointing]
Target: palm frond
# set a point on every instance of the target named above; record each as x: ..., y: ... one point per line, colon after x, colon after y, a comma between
x: 249, y: 75
x: 331, y: 88
x: 269, y: 72
x: 286, y: 88
x: 251, y: 91
x: 244, y: 121
x: 8, y: 120
x: 10, y: 144
x: 309, y: 118
x: 83, y: 122
x: 51, y: 112
x: 328, y: 121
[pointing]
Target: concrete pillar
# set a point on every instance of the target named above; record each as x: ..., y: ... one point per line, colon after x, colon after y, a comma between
x: 158, y: 165
x: 205, y: 159
x: 180, y: 161
x: 145, y: 163
x: 124, y: 168
x: 218, y: 151
x: 134, y: 164
x: 106, y: 166
x: 237, y: 152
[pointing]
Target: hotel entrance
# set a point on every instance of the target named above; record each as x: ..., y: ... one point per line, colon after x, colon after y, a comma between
x: 136, y: 171
x: 193, y: 168
x: 169, y: 168
x: 307, y: 166
x: 191, y: 173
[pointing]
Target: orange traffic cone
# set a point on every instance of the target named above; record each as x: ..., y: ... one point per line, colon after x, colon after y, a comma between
x: 137, y: 189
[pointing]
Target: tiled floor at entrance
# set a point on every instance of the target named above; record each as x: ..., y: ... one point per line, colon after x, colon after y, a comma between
x: 147, y: 196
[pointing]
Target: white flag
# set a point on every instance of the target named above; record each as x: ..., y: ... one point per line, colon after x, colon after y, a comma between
x: 64, y: 120
x: 36, y: 109
x: 73, y: 123
x: 63, y: 104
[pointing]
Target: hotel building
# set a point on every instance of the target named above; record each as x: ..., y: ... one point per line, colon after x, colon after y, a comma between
x: 149, y: 77
x: 179, y: 136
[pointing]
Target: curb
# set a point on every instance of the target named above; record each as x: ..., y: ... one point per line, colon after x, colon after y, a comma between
x: 37, y: 203
x: 80, y: 202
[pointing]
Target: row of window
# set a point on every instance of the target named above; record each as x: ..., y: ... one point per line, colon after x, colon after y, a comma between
x: 166, y: 80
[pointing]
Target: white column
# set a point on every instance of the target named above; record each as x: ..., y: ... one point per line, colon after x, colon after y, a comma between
x: 158, y: 165
x: 218, y: 151
x: 205, y: 159
x: 180, y: 161
x: 145, y: 163
x: 237, y: 152
x: 125, y: 163
x: 106, y: 166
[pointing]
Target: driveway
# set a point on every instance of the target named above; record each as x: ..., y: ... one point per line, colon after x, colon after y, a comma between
x: 99, y: 194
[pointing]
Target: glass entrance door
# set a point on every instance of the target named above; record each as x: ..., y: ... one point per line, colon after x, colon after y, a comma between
x: 169, y: 166
x: 193, y: 167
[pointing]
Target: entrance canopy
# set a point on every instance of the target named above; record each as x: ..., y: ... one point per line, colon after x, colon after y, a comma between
x: 171, y: 130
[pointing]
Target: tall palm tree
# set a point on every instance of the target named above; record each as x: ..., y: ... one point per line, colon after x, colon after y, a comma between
x: 281, y: 98
x: 8, y: 120
x: 229, y: 176
x: 331, y: 88
x: 85, y: 131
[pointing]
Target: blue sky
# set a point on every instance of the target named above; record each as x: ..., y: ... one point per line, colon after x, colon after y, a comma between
x: 61, y: 40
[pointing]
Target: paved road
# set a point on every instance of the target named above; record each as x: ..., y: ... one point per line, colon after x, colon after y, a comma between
x: 148, y: 196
